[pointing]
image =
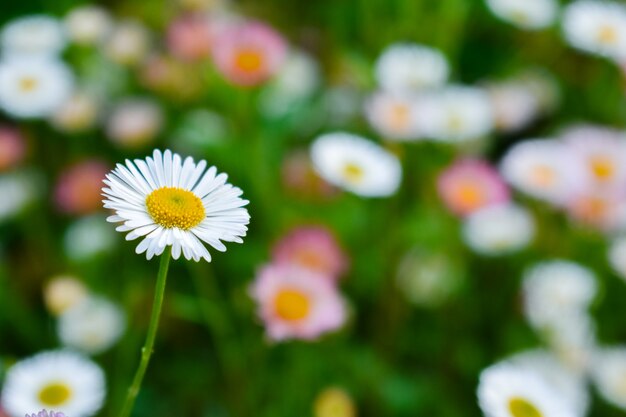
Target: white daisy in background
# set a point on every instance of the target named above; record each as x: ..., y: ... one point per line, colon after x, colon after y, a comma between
x: 19, y: 189
x: 88, y: 25
x: 554, y: 290
x: 88, y: 237
x: 134, y: 122
x: 510, y: 390
x: 63, y: 292
x: 608, y: 372
x: 63, y: 380
x: 526, y: 14
x: 544, y: 169
x: 514, y: 105
x: 33, y: 87
x: 408, y: 67
x: 499, y: 230
x: 617, y: 256
x: 572, y: 338
x: 45, y: 413
x: 597, y: 27
x: 33, y: 35
x: 356, y: 164
x: 91, y: 326
x: 128, y: 43
x: 394, y: 117
x: 78, y: 113
x: 170, y: 202
x: 456, y: 113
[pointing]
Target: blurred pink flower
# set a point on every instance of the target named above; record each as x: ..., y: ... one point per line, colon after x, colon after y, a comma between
x: 313, y: 248
x: 598, y: 209
x: 297, y: 303
x: 12, y: 148
x: 190, y: 37
x: 249, y: 53
x: 471, y: 184
x: 78, y: 188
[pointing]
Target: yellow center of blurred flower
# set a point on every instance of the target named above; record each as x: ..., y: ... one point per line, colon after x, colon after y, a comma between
x: 543, y: 176
x: 469, y: 195
x: 55, y: 394
x: 607, y: 35
x: 309, y: 259
x: 174, y: 207
x: 334, y: 402
x: 292, y: 305
x: 399, y: 116
x: 602, y: 167
x: 28, y: 84
x: 352, y: 172
x: 593, y: 209
x: 249, y: 60
x: 520, y: 407
x: 455, y: 123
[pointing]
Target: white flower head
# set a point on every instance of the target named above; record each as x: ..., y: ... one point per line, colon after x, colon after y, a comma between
x: 407, y: 67
x: 597, y: 27
x: 544, y: 169
x: 134, y: 122
x: 499, y: 230
x: 556, y: 289
x: 88, y: 237
x: 91, y: 326
x: 526, y: 14
x: 88, y: 25
x: 37, y: 35
x: 617, y: 256
x: 608, y: 372
x: 456, y: 114
x: 356, y: 164
x: 33, y: 87
x: 128, y: 43
x: 19, y: 189
x: 63, y: 380
x: 393, y: 116
x: 166, y: 201
x: 78, y: 113
x: 514, y: 105
x: 511, y: 390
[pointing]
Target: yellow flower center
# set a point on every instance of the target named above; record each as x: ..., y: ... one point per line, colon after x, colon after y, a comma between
x: 174, y: 207
x: 602, y: 167
x: 520, y: 407
x: 607, y: 35
x: 310, y: 259
x: 249, y: 60
x: 470, y: 195
x: 28, y: 84
x: 55, y: 394
x: 352, y: 172
x: 292, y: 305
x: 399, y: 116
x: 455, y: 123
x: 543, y: 176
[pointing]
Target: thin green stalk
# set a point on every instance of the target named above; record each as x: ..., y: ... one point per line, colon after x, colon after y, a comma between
x: 146, y: 351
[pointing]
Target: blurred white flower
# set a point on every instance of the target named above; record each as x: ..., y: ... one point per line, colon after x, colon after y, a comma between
x: 514, y: 105
x: 88, y: 25
x: 608, y: 372
x: 456, y: 114
x: 128, y: 43
x: 78, y: 113
x: 36, y: 35
x: 597, y: 27
x: 33, y: 87
x: 134, y: 122
x: 91, y: 326
x: 18, y: 190
x: 544, y: 169
x: 356, y: 164
x: 394, y: 117
x: 526, y: 14
x: 572, y: 338
x: 407, y: 67
x: 617, y: 256
x: 63, y: 292
x: 554, y: 290
x: 508, y: 389
x: 88, y: 237
x: 60, y: 379
x: 498, y: 230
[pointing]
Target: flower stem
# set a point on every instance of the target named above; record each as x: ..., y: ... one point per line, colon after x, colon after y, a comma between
x: 146, y: 351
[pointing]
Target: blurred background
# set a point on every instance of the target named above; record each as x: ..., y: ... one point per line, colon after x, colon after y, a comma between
x: 452, y: 174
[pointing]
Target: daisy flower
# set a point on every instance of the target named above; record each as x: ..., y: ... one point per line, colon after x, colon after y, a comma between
x: 19, y: 190
x: 514, y: 105
x: 544, y: 169
x: 608, y: 372
x: 597, y: 27
x: 498, y: 230
x: 597, y: 208
x: 33, y: 87
x: 62, y: 293
x: 166, y: 201
x: 507, y: 390
x: 128, y: 43
x: 471, y: 184
x: 88, y: 237
x: 617, y: 256
x: 249, y: 53
x: 191, y: 37
x: 134, y: 122
x: 456, y: 114
x: 408, y: 67
x: 78, y: 113
x: 88, y: 25
x: 297, y: 303
x: 44, y: 413
x: 77, y: 189
x: 61, y: 379
x: 393, y: 116
x: 356, y: 164
x: 92, y: 325
x: 526, y: 14
x: 314, y: 248
x: 12, y: 148
x: 36, y: 35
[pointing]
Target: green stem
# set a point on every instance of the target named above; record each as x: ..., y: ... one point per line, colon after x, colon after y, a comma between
x: 146, y: 351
